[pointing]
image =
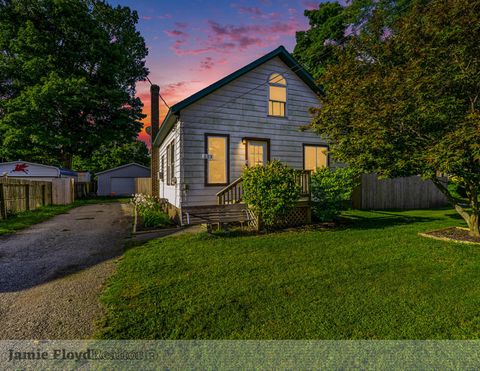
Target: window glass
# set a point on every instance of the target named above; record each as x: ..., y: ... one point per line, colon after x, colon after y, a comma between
x: 162, y: 169
x: 257, y: 153
x: 277, y: 95
x: 315, y: 157
x: 217, y: 162
x: 276, y: 78
x: 170, y: 163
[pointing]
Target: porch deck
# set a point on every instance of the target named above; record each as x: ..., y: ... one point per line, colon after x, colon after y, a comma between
x: 231, y: 209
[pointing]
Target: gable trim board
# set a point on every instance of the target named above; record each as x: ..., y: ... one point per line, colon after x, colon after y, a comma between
x: 174, y: 111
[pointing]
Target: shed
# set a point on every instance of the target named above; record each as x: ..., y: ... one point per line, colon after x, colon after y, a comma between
x: 120, y: 181
x: 33, y: 171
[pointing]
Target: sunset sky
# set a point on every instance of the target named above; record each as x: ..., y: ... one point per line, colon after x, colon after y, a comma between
x: 193, y: 43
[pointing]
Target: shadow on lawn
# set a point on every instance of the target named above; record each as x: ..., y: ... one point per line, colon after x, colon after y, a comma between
x: 386, y: 220
x: 378, y: 219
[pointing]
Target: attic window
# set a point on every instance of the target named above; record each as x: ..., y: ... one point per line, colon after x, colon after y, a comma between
x: 277, y: 99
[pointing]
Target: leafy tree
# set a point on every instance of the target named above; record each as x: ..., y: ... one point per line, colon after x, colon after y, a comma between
x: 67, y: 78
x: 107, y: 157
x: 332, y: 25
x: 410, y: 103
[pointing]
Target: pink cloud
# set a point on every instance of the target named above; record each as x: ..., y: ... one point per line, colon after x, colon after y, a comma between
x: 175, y: 33
x: 256, y: 13
x: 162, y: 16
x: 227, y: 38
x: 247, y: 35
x: 310, y: 5
x: 207, y: 63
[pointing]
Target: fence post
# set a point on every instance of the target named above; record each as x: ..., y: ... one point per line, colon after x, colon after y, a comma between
x: 27, y: 197
x: 43, y: 194
x: 51, y: 192
x: 3, y: 204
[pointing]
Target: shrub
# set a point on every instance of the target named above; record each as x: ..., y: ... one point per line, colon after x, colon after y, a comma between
x: 270, y: 191
x: 150, y: 210
x: 145, y: 202
x: 332, y: 191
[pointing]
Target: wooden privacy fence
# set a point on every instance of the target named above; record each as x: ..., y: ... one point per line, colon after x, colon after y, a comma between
x: 63, y: 191
x: 21, y: 195
x: 143, y: 185
x: 83, y: 189
x: 18, y: 195
x: 398, y: 193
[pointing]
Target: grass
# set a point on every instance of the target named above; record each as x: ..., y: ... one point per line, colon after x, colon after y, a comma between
x: 25, y: 219
x: 374, y: 279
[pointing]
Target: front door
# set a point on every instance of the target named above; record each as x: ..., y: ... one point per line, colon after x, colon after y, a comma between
x: 257, y: 152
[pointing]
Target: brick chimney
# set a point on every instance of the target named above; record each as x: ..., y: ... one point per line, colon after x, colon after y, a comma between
x: 155, y: 123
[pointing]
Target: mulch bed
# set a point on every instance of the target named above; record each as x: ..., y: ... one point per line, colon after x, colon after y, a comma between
x: 454, y: 234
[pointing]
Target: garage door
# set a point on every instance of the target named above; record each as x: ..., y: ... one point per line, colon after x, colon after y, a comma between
x: 123, y: 186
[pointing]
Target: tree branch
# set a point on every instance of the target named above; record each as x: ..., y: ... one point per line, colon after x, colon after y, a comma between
x: 454, y: 201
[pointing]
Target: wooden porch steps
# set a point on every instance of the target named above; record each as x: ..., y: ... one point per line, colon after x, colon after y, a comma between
x: 216, y: 214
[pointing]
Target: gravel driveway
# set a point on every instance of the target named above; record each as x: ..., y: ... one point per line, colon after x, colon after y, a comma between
x: 52, y: 273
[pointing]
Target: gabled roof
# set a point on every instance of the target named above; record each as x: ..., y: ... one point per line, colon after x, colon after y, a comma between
x: 280, y: 52
x: 59, y: 170
x: 121, y: 167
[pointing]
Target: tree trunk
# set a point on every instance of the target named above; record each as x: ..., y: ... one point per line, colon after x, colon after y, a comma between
x: 472, y: 219
x: 474, y: 226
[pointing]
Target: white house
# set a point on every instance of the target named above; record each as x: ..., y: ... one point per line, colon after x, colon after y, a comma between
x: 251, y: 116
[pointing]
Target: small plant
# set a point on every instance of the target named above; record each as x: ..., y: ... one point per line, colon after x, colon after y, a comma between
x: 150, y: 211
x: 332, y: 191
x: 155, y: 218
x: 270, y: 191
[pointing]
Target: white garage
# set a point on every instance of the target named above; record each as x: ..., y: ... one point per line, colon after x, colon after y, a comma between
x: 120, y: 181
x: 33, y: 171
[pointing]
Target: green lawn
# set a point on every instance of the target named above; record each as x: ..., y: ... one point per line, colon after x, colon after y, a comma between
x: 374, y: 279
x: 27, y: 218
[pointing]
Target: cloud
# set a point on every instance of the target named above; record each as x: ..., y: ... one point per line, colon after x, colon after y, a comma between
x: 172, y: 91
x: 227, y: 38
x: 255, y: 12
x: 175, y: 33
x: 150, y: 17
x: 310, y: 5
x: 207, y: 63
x: 245, y: 36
